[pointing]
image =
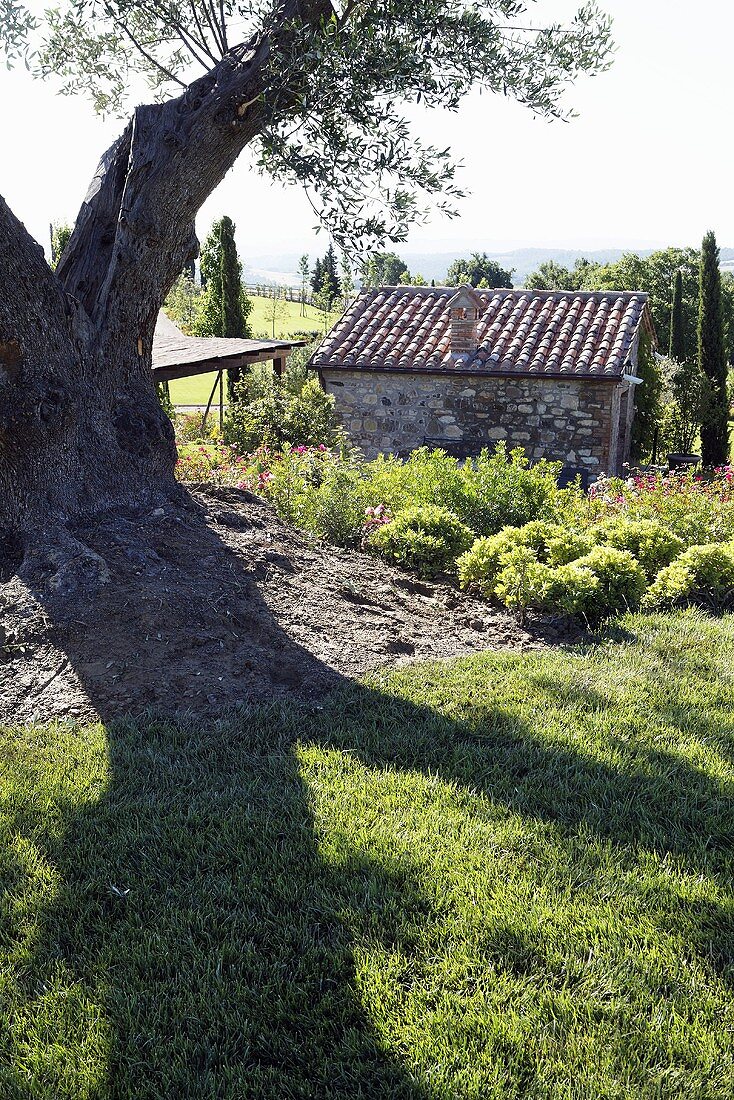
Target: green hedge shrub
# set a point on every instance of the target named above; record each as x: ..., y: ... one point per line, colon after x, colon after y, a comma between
x: 522, y: 580
x: 572, y: 589
x: 651, y: 542
x: 622, y: 581
x: 495, y: 490
x: 700, y: 574
x: 268, y: 412
x: 427, y: 539
x: 482, y: 564
x: 518, y: 567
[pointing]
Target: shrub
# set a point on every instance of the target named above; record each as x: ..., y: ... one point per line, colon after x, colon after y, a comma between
x: 566, y: 546
x: 427, y: 539
x: 701, y: 574
x: 652, y: 543
x: 572, y: 589
x: 522, y: 580
x: 190, y: 428
x: 482, y: 564
x: 699, y: 510
x: 488, y: 493
x: 425, y: 478
x: 621, y: 579
x: 204, y: 463
x: 269, y: 413
x: 504, y: 490
x: 334, y: 508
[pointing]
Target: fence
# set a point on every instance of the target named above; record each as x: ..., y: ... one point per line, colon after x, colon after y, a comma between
x: 287, y: 293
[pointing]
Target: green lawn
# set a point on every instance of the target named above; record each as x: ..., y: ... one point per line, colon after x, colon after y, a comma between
x: 503, y: 877
x: 289, y: 321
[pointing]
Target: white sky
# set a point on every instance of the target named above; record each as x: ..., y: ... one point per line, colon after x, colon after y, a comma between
x: 648, y: 162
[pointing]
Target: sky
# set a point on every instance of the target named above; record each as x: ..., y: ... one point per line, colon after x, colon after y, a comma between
x: 647, y: 163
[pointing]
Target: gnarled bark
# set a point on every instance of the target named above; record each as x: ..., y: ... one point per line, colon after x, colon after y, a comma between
x: 81, y: 429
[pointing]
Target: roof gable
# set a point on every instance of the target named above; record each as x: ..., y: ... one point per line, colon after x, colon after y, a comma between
x: 518, y: 332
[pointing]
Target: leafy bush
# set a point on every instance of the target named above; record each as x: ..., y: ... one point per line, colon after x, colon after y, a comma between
x: 482, y: 564
x: 567, y: 546
x: 190, y: 428
x: 572, y: 589
x: 518, y: 566
x: 652, y: 543
x: 427, y: 539
x: 522, y: 580
x: 504, y: 490
x: 425, y: 478
x: 203, y: 463
x: 334, y: 509
x: 698, y: 509
x: 269, y: 413
x: 701, y: 574
x: 490, y: 492
x: 621, y: 579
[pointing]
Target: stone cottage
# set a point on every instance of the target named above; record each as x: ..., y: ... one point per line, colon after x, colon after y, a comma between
x: 553, y: 372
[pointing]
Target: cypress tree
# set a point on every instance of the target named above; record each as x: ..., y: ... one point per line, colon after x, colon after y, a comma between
x: 225, y: 306
x: 711, y: 357
x: 233, y: 320
x: 331, y: 284
x: 234, y: 323
x: 677, y: 322
x: 317, y: 279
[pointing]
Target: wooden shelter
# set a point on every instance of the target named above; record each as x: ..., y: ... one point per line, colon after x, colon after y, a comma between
x: 176, y: 355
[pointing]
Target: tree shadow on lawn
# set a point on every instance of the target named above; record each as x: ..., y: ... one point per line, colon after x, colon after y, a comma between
x: 200, y: 941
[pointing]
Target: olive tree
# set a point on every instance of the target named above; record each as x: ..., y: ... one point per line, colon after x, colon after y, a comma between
x: 316, y: 90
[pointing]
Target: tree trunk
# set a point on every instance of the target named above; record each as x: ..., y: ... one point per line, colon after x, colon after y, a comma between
x: 81, y: 428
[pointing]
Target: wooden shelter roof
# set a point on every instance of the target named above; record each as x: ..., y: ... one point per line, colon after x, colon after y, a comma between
x: 176, y: 355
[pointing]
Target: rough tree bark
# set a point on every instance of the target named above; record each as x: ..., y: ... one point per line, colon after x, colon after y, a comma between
x: 81, y: 429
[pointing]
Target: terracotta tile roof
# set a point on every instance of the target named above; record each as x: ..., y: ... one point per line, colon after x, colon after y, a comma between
x: 518, y: 332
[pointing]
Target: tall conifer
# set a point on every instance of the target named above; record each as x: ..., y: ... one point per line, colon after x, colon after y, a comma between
x: 317, y: 278
x: 711, y: 357
x: 225, y: 306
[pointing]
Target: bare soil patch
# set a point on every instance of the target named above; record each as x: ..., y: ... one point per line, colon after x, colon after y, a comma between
x: 210, y: 603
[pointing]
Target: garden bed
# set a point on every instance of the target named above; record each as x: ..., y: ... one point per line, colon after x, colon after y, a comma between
x: 200, y: 608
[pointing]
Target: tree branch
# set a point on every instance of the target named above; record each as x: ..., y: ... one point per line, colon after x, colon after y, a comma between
x: 179, y: 152
x: 85, y: 260
x: 143, y: 52
x: 24, y: 275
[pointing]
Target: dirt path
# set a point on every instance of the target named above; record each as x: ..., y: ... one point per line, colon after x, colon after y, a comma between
x: 214, y: 604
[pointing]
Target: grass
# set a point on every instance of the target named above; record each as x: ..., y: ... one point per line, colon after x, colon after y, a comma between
x: 501, y: 877
x: 289, y: 322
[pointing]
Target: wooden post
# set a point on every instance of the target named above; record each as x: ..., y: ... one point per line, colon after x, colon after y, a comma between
x: 209, y: 402
x: 221, y: 399
x: 279, y: 365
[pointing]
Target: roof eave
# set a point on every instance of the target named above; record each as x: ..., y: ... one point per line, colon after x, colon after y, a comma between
x: 448, y: 372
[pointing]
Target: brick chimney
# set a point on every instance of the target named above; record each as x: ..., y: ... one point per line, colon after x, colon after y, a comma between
x: 465, y: 309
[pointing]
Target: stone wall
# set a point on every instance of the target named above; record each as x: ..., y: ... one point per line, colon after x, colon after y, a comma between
x: 575, y: 421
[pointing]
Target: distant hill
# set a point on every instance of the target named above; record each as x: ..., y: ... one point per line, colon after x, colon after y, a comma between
x: 281, y: 268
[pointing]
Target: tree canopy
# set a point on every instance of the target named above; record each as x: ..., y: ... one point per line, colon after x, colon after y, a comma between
x: 478, y: 270
x: 334, y: 90
x: 385, y: 269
